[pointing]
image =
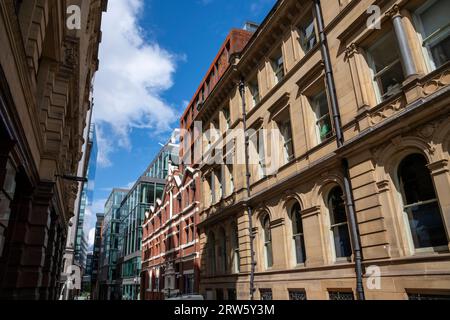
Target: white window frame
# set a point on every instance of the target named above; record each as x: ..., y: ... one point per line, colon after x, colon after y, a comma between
x: 331, y: 231
x: 404, y: 215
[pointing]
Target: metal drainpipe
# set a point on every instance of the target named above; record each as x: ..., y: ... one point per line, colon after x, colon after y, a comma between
x: 249, y: 208
x: 356, y: 245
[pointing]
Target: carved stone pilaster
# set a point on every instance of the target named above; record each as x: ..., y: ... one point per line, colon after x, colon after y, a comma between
x: 351, y: 50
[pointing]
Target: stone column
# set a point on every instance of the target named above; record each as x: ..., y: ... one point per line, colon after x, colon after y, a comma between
x: 403, y: 42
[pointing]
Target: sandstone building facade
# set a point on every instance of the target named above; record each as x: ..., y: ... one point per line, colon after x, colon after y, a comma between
x: 45, y: 80
x: 358, y: 177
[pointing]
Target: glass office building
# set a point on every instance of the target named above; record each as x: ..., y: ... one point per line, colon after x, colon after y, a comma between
x: 143, y: 195
x: 96, y: 256
x: 109, y: 275
x: 87, y: 196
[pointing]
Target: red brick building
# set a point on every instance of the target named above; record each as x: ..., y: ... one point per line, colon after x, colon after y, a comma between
x: 170, y: 242
x: 234, y: 43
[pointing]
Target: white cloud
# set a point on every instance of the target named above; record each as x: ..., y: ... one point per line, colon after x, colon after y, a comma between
x: 98, y: 206
x: 133, y: 75
x: 91, y: 237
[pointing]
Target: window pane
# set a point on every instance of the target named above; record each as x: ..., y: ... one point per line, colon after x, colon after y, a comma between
x: 338, y: 221
x: 416, y: 180
x: 384, y: 52
x: 286, y: 132
x: 435, y: 17
x: 219, y: 294
x: 269, y: 257
x: 278, y: 67
x: 267, y: 229
x: 337, y: 206
x: 337, y: 295
x: 232, y: 294
x: 342, y: 241
x: 266, y: 294
x: 441, y: 52
x: 297, y: 226
x: 422, y: 209
x: 223, y: 251
x: 300, y: 249
x: 324, y: 127
x: 267, y: 242
x: 420, y: 296
x: 297, y: 295
x: 386, y: 66
x: 254, y: 89
x: 426, y: 225
x: 307, y: 35
x: 390, y: 81
x: 320, y: 104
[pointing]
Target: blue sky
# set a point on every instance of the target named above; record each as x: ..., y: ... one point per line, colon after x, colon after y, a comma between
x: 153, y: 56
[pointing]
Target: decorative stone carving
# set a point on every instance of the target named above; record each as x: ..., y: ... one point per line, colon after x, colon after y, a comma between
x: 393, y: 12
x: 439, y: 167
x: 438, y: 82
x: 351, y: 50
x: 383, y: 186
x: 387, y: 110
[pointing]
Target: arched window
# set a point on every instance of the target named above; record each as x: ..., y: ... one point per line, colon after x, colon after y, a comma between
x: 298, y: 240
x: 222, y: 250
x: 211, y: 253
x: 339, y: 224
x: 420, y: 203
x: 235, y: 246
x: 267, y: 237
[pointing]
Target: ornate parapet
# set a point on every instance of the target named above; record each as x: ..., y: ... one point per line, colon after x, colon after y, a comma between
x: 436, y: 82
x: 387, y: 110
